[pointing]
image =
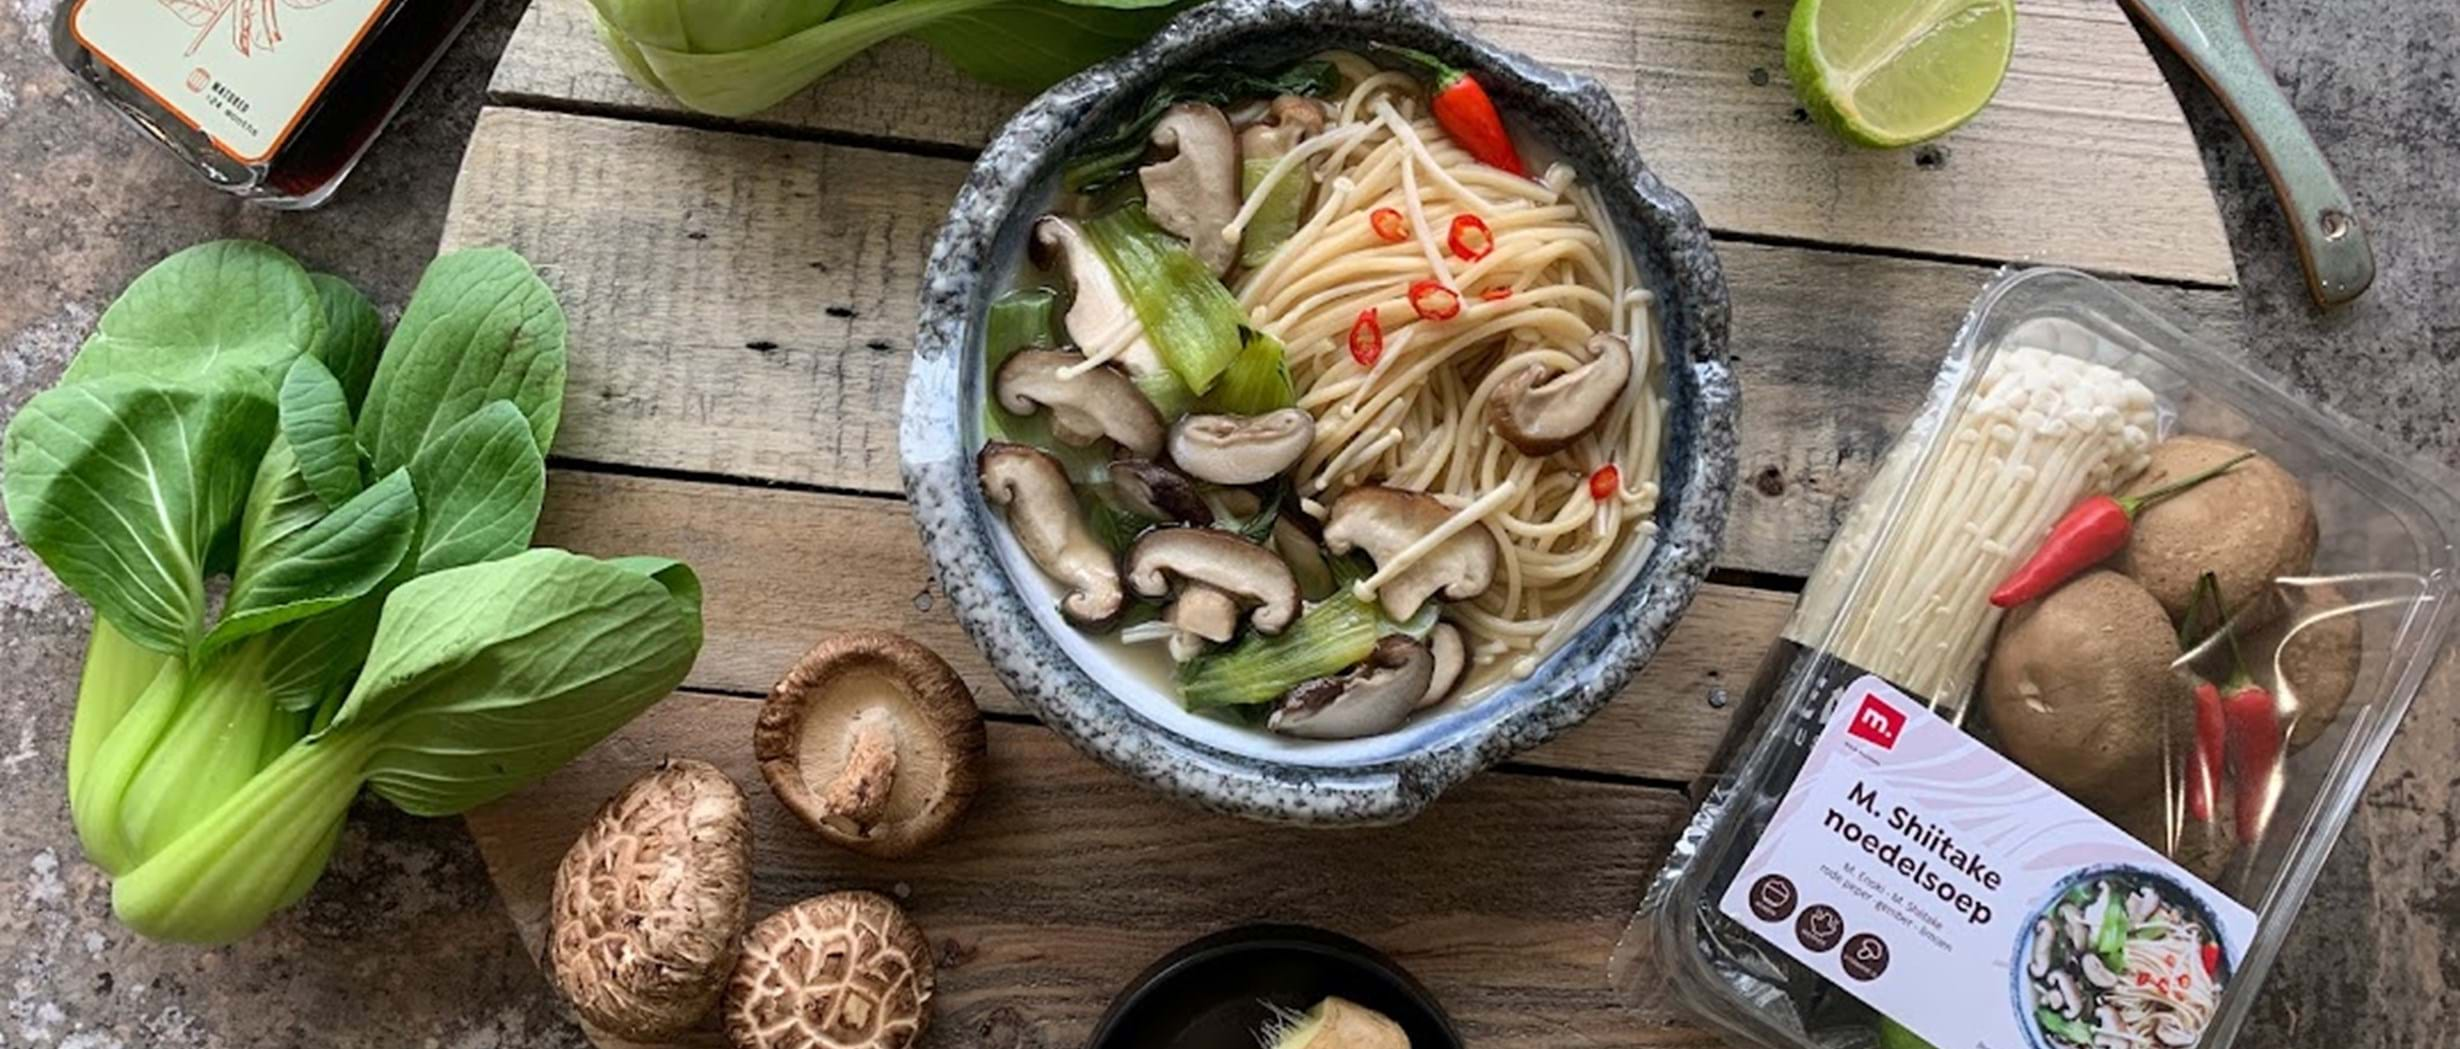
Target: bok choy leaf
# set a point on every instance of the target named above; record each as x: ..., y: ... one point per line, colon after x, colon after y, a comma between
x: 1193, y: 322
x: 430, y: 377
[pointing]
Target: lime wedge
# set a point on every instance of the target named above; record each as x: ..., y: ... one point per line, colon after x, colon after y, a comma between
x: 1892, y: 73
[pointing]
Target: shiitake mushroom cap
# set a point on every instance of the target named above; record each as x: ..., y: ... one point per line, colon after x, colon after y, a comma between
x: 847, y: 970
x: 874, y: 741
x: 2249, y: 526
x: 2319, y: 647
x: 2080, y: 691
x: 649, y: 903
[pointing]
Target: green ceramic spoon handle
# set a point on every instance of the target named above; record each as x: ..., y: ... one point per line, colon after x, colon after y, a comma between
x: 2211, y: 35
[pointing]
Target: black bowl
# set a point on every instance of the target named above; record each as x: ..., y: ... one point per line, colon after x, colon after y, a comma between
x: 1218, y: 991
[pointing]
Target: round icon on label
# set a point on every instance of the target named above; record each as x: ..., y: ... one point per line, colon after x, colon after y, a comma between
x: 1865, y: 957
x: 1820, y: 927
x: 1773, y: 898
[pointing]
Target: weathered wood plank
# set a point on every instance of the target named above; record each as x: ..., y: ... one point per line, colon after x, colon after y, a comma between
x: 781, y: 569
x: 2082, y: 160
x: 1065, y: 880
x: 744, y: 306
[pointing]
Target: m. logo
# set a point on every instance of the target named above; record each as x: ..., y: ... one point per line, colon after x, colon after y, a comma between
x: 1877, y: 722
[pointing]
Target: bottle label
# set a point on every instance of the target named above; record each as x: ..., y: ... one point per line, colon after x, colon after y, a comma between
x: 240, y: 71
x: 1974, y: 904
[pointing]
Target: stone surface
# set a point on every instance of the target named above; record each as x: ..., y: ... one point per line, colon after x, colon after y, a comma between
x: 403, y: 944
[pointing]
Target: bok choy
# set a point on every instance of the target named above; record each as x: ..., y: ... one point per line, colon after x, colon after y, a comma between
x: 735, y: 57
x: 237, y: 418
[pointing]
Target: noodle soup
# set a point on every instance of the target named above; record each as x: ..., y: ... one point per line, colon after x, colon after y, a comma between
x: 1318, y: 403
x: 2120, y: 957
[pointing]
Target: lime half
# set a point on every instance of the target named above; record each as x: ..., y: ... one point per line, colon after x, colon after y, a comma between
x: 1895, y: 72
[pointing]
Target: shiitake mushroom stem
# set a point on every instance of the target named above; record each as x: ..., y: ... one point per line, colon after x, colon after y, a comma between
x: 859, y: 793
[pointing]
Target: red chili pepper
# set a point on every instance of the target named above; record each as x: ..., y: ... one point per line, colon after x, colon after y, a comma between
x: 1433, y: 301
x: 2212, y: 959
x: 1471, y: 240
x: 1367, y: 338
x: 1605, y: 482
x: 1461, y: 106
x: 2087, y: 535
x: 2204, y: 766
x: 1498, y: 293
x: 1389, y: 224
x: 2255, y: 757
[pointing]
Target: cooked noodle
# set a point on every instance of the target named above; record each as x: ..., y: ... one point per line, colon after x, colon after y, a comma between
x: 1417, y: 418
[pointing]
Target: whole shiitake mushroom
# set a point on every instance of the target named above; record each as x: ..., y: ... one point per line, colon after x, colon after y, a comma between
x: 2203, y: 847
x: 874, y: 741
x: 2248, y: 526
x: 847, y: 970
x: 2318, y: 647
x: 2080, y: 691
x: 650, y: 902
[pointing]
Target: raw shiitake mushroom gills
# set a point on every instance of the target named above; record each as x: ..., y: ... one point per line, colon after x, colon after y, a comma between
x: 1032, y: 488
x: 2080, y: 690
x: 1542, y: 418
x: 843, y: 971
x: 2249, y: 526
x: 874, y: 741
x: 1401, y: 528
x: 650, y: 901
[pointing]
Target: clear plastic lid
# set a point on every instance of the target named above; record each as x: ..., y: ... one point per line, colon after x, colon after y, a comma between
x: 2089, y: 817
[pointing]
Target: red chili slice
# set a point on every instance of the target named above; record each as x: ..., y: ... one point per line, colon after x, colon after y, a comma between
x: 1433, y: 301
x: 1367, y: 338
x: 1605, y: 482
x: 1389, y: 224
x: 1470, y: 238
x: 2212, y: 959
x: 1498, y: 293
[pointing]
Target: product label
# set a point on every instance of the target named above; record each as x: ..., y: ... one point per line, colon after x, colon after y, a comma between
x: 1976, y: 905
x: 241, y: 71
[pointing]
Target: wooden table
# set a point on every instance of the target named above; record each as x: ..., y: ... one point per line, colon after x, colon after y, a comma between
x: 742, y: 299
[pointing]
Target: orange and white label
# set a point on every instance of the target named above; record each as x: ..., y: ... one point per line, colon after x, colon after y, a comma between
x: 241, y: 71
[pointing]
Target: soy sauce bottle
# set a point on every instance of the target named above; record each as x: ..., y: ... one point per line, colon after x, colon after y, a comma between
x: 272, y: 100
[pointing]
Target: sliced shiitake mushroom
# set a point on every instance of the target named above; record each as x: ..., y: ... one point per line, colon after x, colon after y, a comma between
x: 1213, y: 569
x: 1542, y: 418
x: 1387, y: 521
x: 874, y: 741
x: 847, y: 970
x: 1097, y: 309
x: 1085, y: 407
x: 2249, y: 526
x: 1373, y: 697
x: 1290, y: 120
x: 1032, y: 488
x: 649, y: 902
x: 2080, y: 691
x: 1451, y: 658
x: 1194, y: 191
x: 1241, y: 449
x: 1158, y: 493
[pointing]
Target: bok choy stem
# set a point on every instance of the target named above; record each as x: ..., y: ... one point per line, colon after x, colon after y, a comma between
x: 1329, y: 638
x: 117, y: 671
x: 1193, y: 322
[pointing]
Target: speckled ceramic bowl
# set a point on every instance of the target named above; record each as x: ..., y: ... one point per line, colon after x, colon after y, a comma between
x: 1126, y: 720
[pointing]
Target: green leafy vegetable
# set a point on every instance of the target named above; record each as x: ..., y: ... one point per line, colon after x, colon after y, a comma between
x: 1331, y: 637
x: 2110, y: 940
x: 315, y: 417
x: 216, y: 424
x: 1257, y: 380
x: 482, y: 483
x: 353, y: 337
x: 428, y: 379
x: 1277, y: 218
x: 226, y: 306
x: 736, y: 57
x: 2075, y: 1033
x: 1111, y: 157
x: 120, y: 485
x: 1020, y: 320
x: 1192, y: 321
x: 483, y: 678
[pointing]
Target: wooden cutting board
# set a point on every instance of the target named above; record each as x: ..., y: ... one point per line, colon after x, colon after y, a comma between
x: 741, y: 296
